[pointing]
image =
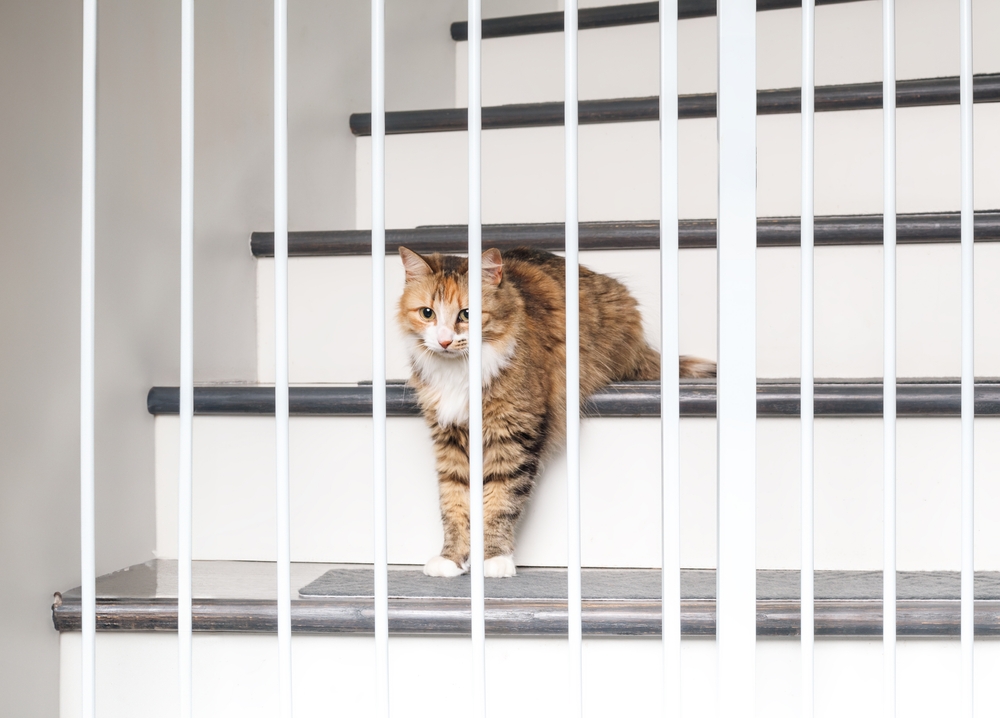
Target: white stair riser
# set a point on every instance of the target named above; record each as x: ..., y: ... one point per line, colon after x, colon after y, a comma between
x: 624, y: 61
x: 523, y: 169
x: 237, y: 675
x: 330, y: 325
x: 331, y: 488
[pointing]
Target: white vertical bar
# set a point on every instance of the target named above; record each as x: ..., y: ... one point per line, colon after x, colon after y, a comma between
x: 281, y: 353
x: 807, y: 371
x: 378, y: 361
x: 184, y: 589
x: 476, y: 361
x: 737, y: 384
x: 968, y: 368
x: 575, y: 591
x: 669, y: 369
x: 889, y: 358
x: 88, y: 551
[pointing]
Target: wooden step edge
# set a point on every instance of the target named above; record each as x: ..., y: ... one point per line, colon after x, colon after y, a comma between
x: 914, y: 398
x: 830, y: 230
x: 848, y: 603
x: 608, y: 16
x: 775, y: 618
x: 828, y: 98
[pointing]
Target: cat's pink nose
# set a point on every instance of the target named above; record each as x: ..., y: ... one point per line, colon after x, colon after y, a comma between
x: 445, y: 342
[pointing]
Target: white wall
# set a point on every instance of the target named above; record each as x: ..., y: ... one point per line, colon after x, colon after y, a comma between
x: 39, y: 204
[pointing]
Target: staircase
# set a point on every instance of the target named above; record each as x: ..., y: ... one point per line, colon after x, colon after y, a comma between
x: 331, y: 431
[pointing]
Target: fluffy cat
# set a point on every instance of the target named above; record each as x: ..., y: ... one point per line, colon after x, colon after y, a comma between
x: 524, y: 384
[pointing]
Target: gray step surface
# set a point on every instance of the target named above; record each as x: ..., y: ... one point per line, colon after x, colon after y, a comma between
x: 775, y: 398
x: 240, y: 596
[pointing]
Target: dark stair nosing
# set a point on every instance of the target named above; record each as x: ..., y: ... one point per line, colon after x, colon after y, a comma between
x: 609, y: 16
x: 775, y: 398
x: 775, y: 618
x: 848, y: 603
x: 828, y: 98
x: 835, y: 230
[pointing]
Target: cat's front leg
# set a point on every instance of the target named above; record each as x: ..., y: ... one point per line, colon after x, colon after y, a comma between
x: 450, y: 444
x: 454, y: 558
x: 511, y: 464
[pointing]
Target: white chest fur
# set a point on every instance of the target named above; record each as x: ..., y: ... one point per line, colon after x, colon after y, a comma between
x: 446, y: 380
x: 447, y: 389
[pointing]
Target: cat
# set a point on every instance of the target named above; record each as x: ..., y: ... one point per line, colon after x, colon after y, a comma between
x: 524, y: 385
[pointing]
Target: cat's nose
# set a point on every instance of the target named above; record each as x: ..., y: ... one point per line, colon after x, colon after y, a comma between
x: 445, y: 342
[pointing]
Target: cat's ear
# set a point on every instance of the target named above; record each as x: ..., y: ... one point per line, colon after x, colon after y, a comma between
x: 492, y: 266
x: 415, y: 265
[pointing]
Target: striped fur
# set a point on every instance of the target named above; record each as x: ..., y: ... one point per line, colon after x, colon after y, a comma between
x: 524, y: 377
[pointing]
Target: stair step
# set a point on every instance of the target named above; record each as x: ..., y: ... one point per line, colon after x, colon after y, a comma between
x: 609, y: 16
x: 240, y: 597
x: 915, y: 397
x: 331, y: 500
x: 524, y: 170
x: 829, y: 98
x: 849, y: 297
x: 835, y: 230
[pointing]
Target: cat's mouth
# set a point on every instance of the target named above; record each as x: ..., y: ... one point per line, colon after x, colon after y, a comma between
x: 456, y: 350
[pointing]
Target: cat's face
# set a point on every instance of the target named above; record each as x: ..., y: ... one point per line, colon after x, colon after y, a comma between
x: 434, y: 308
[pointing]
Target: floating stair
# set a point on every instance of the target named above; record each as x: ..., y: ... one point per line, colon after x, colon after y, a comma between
x: 831, y: 98
x: 920, y: 397
x: 844, y: 230
x: 619, y: 169
x: 849, y: 296
x: 609, y: 16
x: 237, y: 596
x: 331, y: 452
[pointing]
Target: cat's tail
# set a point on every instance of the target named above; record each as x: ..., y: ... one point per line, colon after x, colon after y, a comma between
x: 648, y: 367
x: 696, y: 368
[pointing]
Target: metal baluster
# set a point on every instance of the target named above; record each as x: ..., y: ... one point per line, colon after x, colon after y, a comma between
x: 737, y: 383
x: 281, y: 353
x: 808, y: 365
x: 968, y: 368
x: 669, y: 351
x: 573, y: 364
x: 476, y: 361
x: 378, y: 361
x: 88, y: 550
x: 184, y: 505
x: 889, y: 357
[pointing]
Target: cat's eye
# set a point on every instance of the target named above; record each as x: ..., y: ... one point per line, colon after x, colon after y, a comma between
x: 463, y: 316
x: 427, y: 313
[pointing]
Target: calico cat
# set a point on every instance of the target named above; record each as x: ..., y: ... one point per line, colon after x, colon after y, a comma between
x: 524, y: 384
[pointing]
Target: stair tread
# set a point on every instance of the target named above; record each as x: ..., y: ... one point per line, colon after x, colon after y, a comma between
x: 240, y: 596
x: 924, y: 92
x: 644, y: 584
x: 608, y: 16
x: 860, y: 229
x: 775, y: 397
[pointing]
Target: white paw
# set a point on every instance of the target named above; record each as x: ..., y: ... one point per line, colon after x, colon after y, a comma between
x: 499, y: 566
x: 444, y: 567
